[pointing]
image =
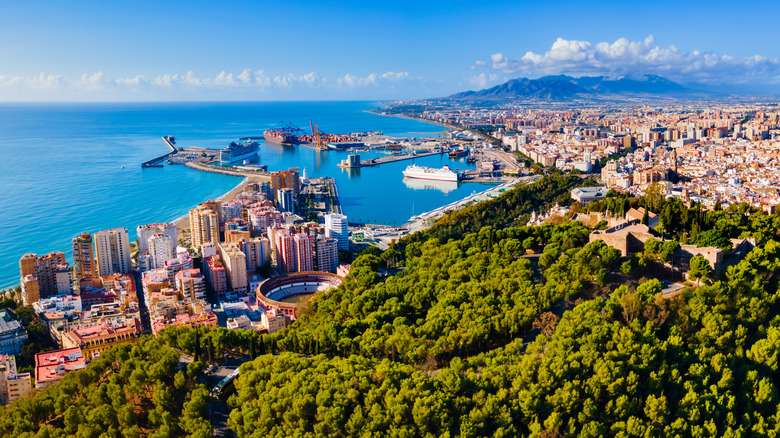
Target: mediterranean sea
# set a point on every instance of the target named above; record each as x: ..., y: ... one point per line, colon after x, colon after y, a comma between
x: 73, y: 168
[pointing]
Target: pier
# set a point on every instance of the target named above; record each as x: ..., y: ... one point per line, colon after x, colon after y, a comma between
x: 157, y: 162
x: 335, y: 204
x: 391, y: 159
x: 265, y: 176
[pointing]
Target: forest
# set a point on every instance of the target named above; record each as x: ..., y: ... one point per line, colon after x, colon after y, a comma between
x: 475, y: 337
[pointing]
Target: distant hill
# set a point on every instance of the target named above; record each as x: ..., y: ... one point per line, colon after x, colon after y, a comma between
x: 563, y: 87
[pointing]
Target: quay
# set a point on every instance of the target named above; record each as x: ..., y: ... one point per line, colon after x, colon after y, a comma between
x: 389, y: 159
x: 170, y: 141
x: 263, y: 176
x: 335, y: 204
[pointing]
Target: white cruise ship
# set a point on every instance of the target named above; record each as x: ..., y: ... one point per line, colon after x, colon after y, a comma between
x: 237, y: 152
x: 443, y: 174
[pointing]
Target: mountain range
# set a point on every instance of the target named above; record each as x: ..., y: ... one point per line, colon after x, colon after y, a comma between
x: 563, y: 87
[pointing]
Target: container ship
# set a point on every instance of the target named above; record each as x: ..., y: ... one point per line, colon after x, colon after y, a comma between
x: 443, y: 174
x: 280, y: 136
x: 287, y: 135
x: 458, y: 153
x: 238, y: 151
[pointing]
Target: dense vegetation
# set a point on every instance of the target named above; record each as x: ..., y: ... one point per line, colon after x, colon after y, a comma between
x: 511, y: 209
x: 476, y: 338
x: 131, y: 390
x: 695, y: 224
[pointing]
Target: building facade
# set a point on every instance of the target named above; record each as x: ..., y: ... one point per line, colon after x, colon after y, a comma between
x: 336, y: 227
x: 112, y: 252
x: 84, y: 263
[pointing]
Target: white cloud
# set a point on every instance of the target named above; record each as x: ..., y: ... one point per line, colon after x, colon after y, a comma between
x: 479, y: 80
x: 478, y: 64
x: 245, y: 84
x: 351, y: 81
x: 624, y: 57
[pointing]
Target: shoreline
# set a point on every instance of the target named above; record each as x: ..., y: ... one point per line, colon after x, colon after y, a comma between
x: 183, y: 222
x: 442, y: 124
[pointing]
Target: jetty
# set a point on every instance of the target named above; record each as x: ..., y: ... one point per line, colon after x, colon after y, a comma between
x: 389, y: 159
x: 170, y: 141
x: 264, y: 176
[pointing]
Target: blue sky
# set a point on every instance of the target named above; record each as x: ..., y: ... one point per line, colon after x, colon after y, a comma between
x: 241, y: 50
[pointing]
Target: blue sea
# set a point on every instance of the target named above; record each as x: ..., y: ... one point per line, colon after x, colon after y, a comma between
x: 73, y: 168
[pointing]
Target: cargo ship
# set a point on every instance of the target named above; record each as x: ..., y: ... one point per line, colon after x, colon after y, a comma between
x: 458, y: 153
x: 238, y: 151
x: 443, y: 174
x: 280, y: 136
x: 287, y: 135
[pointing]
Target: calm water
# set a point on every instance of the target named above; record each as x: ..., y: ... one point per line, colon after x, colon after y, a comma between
x: 73, y: 168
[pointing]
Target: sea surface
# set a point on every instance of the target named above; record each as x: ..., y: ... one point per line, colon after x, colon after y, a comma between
x: 70, y: 168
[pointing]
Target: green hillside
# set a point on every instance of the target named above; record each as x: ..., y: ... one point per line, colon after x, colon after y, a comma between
x: 474, y: 338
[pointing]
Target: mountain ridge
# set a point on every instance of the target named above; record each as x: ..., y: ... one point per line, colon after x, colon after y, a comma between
x: 562, y: 87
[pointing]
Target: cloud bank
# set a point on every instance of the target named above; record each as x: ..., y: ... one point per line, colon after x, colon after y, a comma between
x: 624, y: 58
x: 248, y: 84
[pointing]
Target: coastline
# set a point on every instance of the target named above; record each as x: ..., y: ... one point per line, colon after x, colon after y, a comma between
x: 183, y: 223
x: 434, y: 122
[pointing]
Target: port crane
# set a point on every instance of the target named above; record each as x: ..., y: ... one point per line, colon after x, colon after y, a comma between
x: 318, y: 137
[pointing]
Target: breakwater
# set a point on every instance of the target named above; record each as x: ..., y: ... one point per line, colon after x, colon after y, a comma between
x: 157, y: 162
x: 263, y: 176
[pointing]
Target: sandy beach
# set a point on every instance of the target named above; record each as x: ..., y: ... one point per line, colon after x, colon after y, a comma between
x: 183, y: 223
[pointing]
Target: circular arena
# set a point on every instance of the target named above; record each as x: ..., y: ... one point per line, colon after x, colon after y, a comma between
x: 283, y: 293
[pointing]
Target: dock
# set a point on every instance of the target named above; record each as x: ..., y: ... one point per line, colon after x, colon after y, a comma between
x: 335, y: 204
x: 391, y: 159
x: 157, y: 162
x: 264, y: 176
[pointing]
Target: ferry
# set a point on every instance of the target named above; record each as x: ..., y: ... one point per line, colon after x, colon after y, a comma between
x: 238, y: 151
x: 443, y: 174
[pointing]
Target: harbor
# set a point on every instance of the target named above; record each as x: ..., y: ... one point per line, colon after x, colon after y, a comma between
x: 388, y: 159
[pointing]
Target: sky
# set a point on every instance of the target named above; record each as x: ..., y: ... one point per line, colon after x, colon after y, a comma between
x: 368, y: 50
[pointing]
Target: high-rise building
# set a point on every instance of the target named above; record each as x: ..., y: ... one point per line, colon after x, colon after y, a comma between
x: 286, y: 258
x: 285, y: 180
x: 83, y: 257
x: 236, y: 235
x: 336, y: 226
x: 204, y: 224
x: 327, y: 252
x: 215, y: 274
x: 182, y: 262
x: 262, y: 218
x: 146, y: 231
x: 303, y: 253
x: 29, y: 279
x: 30, y: 291
x: 154, y: 280
x: 285, y: 200
x: 229, y: 211
x: 44, y: 276
x: 112, y: 252
x: 257, y: 252
x: 191, y: 284
x: 234, y: 261
x: 161, y: 249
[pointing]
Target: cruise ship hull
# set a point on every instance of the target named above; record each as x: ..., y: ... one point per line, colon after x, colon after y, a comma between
x: 232, y: 159
x: 427, y: 173
x: 237, y: 152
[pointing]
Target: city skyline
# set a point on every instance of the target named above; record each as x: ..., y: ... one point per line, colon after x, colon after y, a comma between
x: 354, y: 51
